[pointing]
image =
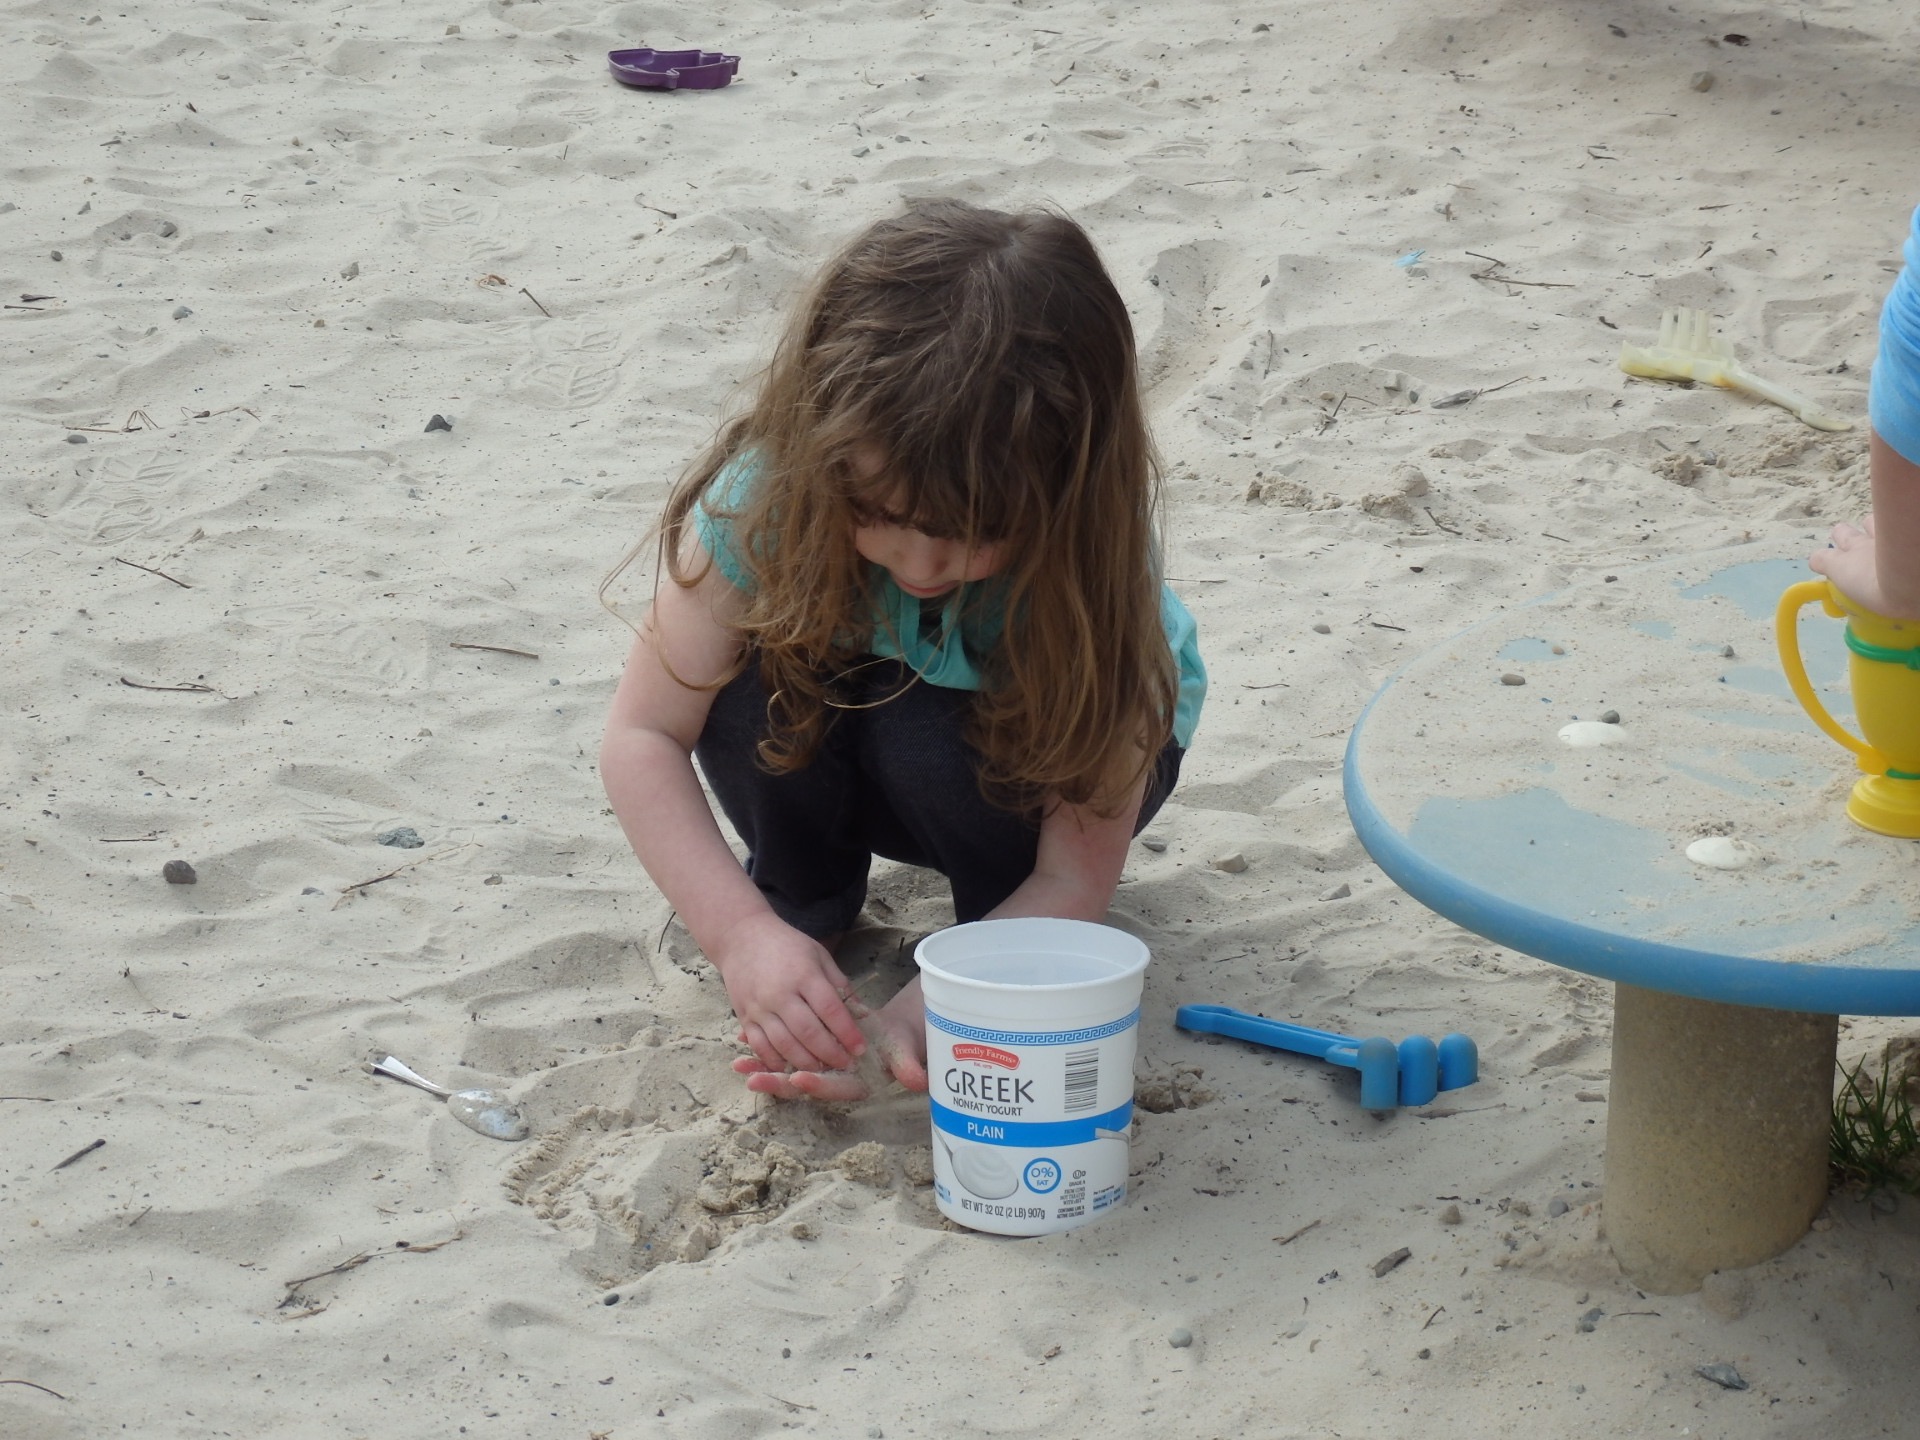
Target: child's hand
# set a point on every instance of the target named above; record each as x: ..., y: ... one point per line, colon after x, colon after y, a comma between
x: 790, y: 997
x: 899, y: 1050
x: 1848, y: 561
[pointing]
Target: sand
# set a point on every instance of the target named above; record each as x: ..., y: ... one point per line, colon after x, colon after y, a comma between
x: 245, y: 583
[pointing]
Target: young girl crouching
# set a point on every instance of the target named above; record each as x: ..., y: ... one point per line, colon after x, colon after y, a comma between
x: 915, y: 610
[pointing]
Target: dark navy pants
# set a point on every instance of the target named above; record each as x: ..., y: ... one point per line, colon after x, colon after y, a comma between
x: 895, y: 779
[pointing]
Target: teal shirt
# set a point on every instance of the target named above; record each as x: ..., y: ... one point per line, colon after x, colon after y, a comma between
x: 937, y: 648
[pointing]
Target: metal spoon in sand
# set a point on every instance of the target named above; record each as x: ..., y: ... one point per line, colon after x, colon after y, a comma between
x: 487, y: 1111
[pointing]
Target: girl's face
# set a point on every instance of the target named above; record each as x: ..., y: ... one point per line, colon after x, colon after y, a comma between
x: 925, y: 566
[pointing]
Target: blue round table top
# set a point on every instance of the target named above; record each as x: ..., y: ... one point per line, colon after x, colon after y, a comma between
x: 1490, y: 802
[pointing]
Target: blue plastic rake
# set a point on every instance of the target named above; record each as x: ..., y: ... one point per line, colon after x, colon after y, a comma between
x: 1410, y: 1073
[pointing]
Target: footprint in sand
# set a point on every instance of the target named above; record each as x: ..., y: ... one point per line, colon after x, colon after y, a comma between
x: 1821, y: 331
x: 528, y: 134
x: 120, y: 497
x: 351, y: 655
x: 574, y: 367
x: 461, y: 230
x: 141, y: 232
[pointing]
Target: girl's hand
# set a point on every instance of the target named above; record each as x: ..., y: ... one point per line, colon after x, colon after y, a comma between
x: 789, y: 995
x: 1848, y: 561
x: 899, y: 1043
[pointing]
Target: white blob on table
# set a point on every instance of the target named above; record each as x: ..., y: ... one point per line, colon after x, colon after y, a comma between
x: 1585, y: 734
x: 1722, y: 852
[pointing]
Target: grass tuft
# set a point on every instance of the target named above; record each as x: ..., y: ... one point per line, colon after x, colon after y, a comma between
x: 1873, y: 1144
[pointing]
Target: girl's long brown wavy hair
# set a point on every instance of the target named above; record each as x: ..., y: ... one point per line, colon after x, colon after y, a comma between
x: 991, y: 360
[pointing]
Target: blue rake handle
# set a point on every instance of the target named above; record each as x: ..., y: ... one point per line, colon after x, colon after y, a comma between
x: 1410, y: 1073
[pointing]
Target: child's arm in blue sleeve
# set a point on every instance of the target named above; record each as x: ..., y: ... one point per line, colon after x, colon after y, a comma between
x: 1877, y: 563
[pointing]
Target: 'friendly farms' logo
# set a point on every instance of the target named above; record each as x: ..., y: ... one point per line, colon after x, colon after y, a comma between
x: 987, y: 1055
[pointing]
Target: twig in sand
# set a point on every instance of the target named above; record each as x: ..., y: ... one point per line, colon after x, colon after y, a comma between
x: 1531, y: 284
x: 1464, y: 397
x: 151, y: 571
x: 146, y: 423
x: 348, y: 891
x: 80, y: 1154
x: 128, y: 839
x: 126, y: 974
x: 1383, y: 625
x: 1551, y: 536
x: 1332, y: 414
x: 1289, y: 1239
x: 661, y: 942
x: 1438, y: 523
x: 171, y: 689
x: 670, y: 214
x: 537, y: 305
x: 354, y: 1262
x: 1491, y: 273
x: 42, y: 1099
x: 36, y: 1385
x: 1439, y: 1310
x: 1063, y: 79
x: 496, y: 649
x: 1493, y: 389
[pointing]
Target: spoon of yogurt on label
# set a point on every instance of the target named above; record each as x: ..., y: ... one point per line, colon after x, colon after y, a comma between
x: 981, y: 1169
x: 487, y: 1111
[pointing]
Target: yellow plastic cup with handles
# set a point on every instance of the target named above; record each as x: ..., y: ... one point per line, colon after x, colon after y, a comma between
x: 1883, y: 668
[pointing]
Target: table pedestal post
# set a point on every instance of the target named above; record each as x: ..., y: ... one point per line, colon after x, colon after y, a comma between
x: 1716, y: 1134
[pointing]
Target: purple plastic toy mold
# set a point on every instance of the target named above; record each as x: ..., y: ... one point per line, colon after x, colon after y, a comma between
x: 673, y: 69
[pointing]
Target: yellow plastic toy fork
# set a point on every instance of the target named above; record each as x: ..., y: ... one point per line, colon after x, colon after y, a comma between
x: 1689, y: 350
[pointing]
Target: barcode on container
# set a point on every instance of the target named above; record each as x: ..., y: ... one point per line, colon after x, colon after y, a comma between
x: 1083, y: 1079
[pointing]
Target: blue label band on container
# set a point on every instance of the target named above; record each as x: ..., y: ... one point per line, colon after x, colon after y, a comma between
x: 1027, y: 1135
x: 1033, y: 1037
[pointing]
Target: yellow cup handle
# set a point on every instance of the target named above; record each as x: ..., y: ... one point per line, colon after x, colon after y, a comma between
x: 1786, y: 635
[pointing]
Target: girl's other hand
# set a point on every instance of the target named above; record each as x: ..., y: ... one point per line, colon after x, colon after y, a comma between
x: 1847, y: 560
x: 789, y: 995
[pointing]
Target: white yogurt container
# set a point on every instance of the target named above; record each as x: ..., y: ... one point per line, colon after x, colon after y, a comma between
x: 1030, y: 1038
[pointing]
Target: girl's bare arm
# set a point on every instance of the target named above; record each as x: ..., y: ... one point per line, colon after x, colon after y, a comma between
x: 1877, y: 563
x: 785, y: 987
x: 1079, y: 862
